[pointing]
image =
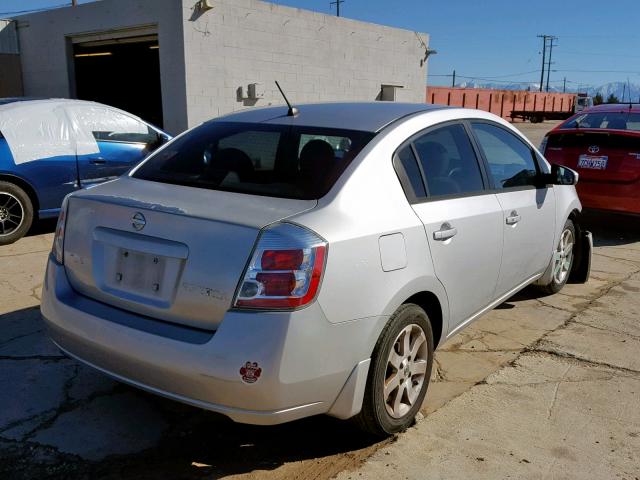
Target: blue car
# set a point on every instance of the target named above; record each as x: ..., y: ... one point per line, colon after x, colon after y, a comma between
x: 50, y: 148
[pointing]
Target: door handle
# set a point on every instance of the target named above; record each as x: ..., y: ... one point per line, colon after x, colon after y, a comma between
x: 513, y: 218
x: 97, y: 161
x: 445, y: 233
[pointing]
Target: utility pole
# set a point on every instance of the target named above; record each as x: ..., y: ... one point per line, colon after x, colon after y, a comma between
x: 336, y: 3
x: 453, y: 83
x: 74, y: 3
x: 551, y: 39
x: 564, y: 85
x: 544, y: 53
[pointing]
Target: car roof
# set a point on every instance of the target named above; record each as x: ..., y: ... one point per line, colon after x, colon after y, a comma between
x: 614, y: 107
x: 363, y: 116
x: 17, y: 102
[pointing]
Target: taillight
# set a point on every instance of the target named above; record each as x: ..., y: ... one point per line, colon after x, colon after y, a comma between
x: 285, y: 270
x: 58, y: 239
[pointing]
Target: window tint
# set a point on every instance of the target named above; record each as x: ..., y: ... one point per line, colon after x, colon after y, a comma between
x: 612, y: 120
x: 448, y: 161
x: 410, y: 165
x: 108, y: 125
x: 510, y: 160
x: 272, y: 160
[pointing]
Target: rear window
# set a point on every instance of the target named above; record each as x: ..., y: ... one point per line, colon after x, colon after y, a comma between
x: 606, y: 120
x: 270, y: 160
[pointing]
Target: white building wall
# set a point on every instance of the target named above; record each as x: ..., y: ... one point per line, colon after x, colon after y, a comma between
x: 205, y: 57
x: 45, y: 40
x: 315, y: 57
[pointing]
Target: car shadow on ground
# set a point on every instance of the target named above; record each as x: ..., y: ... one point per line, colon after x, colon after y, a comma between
x: 200, y: 443
x: 41, y: 227
x: 608, y: 229
x: 612, y: 229
x: 192, y: 443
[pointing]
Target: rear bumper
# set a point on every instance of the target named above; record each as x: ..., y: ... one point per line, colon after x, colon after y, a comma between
x: 305, y: 361
x: 618, y: 197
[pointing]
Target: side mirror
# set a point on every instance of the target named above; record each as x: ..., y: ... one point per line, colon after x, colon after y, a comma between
x: 561, y: 175
x: 156, y: 142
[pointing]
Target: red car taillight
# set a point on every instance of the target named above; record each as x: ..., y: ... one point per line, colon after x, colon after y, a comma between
x: 285, y: 270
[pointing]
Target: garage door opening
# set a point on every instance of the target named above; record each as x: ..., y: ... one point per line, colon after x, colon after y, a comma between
x: 123, y: 72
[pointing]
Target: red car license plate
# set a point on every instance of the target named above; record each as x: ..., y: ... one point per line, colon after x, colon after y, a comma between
x: 593, y: 162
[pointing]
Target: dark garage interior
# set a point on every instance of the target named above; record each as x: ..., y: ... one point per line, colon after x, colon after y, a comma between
x: 123, y: 73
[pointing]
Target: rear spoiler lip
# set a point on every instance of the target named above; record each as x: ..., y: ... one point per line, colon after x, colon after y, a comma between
x: 601, y: 131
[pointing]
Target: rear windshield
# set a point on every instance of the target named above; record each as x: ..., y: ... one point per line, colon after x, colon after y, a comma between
x: 607, y: 120
x: 271, y: 160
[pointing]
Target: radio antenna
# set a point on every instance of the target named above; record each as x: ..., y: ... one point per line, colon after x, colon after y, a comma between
x: 293, y: 111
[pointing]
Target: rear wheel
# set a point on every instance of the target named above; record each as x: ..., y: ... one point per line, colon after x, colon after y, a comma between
x: 562, y: 260
x: 16, y: 213
x: 399, y: 374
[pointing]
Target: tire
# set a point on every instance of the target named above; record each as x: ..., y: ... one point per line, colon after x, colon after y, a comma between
x: 16, y: 213
x: 381, y: 414
x: 559, y: 279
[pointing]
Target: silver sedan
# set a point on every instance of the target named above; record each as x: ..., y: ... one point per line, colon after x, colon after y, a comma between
x: 275, y: 264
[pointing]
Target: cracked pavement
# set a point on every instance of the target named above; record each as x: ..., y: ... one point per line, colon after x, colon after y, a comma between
x: 541, y: 387
x: 564, y: 404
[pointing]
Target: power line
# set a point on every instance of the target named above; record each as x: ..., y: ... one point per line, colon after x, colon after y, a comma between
x: 601, y: 71
x: 488, y: 78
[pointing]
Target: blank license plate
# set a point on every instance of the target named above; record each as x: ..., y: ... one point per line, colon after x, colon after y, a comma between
x: 593, y: 162
x: 139, y: 272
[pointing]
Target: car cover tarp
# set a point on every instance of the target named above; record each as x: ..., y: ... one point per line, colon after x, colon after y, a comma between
x: 45, y: 129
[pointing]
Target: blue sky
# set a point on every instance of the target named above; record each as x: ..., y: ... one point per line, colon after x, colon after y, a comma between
x: 496, y: 39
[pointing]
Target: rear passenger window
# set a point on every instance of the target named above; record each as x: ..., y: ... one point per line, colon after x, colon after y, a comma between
x: 449, y: 162
x: 510, y: 160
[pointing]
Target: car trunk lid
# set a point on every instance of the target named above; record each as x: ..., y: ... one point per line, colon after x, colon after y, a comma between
x: 170, y: 252
x: 599, y: 156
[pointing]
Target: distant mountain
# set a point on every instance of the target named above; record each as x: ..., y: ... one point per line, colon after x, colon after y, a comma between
x: 502, y: 86
x: 616, y: 88
x: 619, y: 89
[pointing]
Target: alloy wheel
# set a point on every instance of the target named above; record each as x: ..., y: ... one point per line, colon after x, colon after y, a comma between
x: 563, y: 257
x: 11, y: 214
x: 406, y: 370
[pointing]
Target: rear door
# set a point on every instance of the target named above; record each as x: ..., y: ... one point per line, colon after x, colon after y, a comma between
x: 119, y: 142
x: 528, y: 211
x: 462, y: 220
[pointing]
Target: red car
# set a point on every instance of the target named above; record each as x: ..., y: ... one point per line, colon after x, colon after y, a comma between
x: 603, y: 145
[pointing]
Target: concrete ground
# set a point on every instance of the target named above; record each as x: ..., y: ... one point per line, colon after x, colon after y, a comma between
x: 539, y: 387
